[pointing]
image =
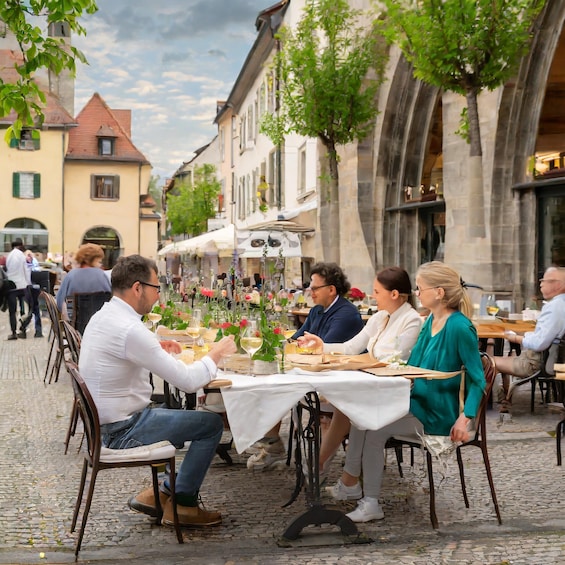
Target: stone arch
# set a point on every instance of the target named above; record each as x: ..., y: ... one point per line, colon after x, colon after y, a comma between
x: 109, y: 239
x: 406, y: 121
x: 513, y: 213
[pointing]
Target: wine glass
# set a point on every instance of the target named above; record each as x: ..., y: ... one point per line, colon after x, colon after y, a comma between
x: 491, y: 305
x: 251, y: 340
x: 154, y: 318
x: 193, y: 329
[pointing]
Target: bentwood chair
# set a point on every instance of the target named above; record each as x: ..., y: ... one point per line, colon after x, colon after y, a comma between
x: 73, y: 339
x: 83, y: 305
x: 544, y: 378
x: 98, y: 458
x: 58, y: 345
x: 479, y: 440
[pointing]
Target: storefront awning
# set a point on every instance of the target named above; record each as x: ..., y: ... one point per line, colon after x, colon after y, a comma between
x: 278, y: 244
x: 220, y: 242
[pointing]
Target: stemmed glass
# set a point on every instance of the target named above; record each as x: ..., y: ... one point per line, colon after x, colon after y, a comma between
x: 193, y: 329
x: 251, y: 340
x: 491, y: 305
x: 154, y: 318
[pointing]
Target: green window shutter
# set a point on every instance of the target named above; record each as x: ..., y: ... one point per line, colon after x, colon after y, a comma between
x: 36, y: 144
x: 16, y: 185
x: 36, y: 185
x: 14, y: 142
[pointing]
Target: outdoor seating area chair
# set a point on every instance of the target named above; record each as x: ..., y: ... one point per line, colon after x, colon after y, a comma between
x: 479, y: 440
x: 58, y: 345
x: 544, y: 378
x: 83, y: 305
x: 98, y: 458
x: 73, y: 339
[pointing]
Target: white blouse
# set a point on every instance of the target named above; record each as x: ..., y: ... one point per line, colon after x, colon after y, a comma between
x: 384, y: 333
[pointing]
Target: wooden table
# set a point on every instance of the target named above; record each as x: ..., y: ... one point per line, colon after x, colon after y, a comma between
x: 494, y: 329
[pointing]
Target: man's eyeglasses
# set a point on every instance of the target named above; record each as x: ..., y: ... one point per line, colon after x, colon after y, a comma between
x: 549, y: 280
x: 316, y: 288
x: 157, y: 287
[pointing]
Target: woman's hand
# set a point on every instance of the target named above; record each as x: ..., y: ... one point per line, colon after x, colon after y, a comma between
x: 459, y: 431
x: 171, y: 346
x: 310, y: 341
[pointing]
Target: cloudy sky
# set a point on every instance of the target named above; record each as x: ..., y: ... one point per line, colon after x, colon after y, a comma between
x: 169, y: 62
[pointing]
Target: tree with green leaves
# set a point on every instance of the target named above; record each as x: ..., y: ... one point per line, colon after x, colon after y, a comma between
x: 464, y: 46
x: 191, y: 205
x: 156, y: 192
x: 24, y: 96
x: 329, y: 69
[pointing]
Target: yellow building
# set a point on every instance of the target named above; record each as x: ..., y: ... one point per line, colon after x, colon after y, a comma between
x: 74, y: 181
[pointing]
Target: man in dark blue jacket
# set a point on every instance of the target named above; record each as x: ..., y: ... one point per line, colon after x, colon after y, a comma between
x: 335, y: 320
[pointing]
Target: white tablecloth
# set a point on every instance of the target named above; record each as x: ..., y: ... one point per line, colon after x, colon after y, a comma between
x: 255, y: 404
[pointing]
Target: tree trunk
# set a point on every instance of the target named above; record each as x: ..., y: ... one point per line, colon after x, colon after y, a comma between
x: 476, y: 218
x: 329, y: 208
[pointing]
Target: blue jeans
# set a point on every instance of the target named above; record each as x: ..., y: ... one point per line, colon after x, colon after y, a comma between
x: 202, y: 429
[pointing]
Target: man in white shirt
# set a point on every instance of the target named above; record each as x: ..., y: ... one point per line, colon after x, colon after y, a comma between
x: 17, y: 272
x: 550, y: 328
x: 117, y: 355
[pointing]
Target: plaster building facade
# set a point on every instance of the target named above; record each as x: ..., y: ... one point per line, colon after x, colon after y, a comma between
x: 72, y: 181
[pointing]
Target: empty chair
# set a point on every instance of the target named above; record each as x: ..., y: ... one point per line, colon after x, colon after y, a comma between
x: 72, y: 338
x: 98, y: 458
x: 58, y: 344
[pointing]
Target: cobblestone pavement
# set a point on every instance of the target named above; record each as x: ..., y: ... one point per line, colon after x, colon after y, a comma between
x: 39, y: 484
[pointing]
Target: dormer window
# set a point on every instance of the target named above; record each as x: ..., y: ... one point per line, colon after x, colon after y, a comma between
x: 106, y: 141
x: 106, y: 146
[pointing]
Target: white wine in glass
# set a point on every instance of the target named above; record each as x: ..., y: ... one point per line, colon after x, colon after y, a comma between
x: 251, y: 341
x: 154, y: 318
x: 193, y: 329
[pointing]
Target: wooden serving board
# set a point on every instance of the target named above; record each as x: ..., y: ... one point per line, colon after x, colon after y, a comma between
x: 332, y: 362
x: 410, y: 372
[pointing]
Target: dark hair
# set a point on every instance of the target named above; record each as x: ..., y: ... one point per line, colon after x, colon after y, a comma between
x: 334, y: 275
x: 395, y: 278
x: 130, y: 269
x: 17, y: 243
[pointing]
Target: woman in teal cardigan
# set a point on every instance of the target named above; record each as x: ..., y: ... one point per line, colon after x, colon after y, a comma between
x: 448, y: 341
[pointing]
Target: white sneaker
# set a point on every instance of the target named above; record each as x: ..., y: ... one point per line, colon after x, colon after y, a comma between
x: 267, y: 458
x: 341, y: 492
x: 268, y: 443
x: 367, y: 509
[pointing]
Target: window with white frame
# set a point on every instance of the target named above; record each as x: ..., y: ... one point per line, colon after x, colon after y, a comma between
x: 222, y: 144
x: 250, y: 126
x: 104, y: 187
x: 26, y: 185
x: 262, y: 98
x: 242, y: 132
x: 271, y: 92
x: 272, y: 176
x: 302, y: 169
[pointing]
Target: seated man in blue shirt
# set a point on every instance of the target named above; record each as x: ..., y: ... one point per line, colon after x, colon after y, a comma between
x: 335, y: 320
x: 550, y: 327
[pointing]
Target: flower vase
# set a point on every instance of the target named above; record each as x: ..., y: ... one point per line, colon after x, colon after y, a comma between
x: 265, y: 367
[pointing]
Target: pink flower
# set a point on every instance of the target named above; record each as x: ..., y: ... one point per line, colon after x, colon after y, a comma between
x: 278, y: 330
x: 225, y: 325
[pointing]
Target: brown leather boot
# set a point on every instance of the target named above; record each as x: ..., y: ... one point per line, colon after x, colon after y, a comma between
x: 144, y: 502
x: 190, y: 516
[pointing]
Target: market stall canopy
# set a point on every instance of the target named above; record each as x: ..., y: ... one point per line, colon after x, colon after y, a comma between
x: 278, y: 243
x: 219, y: 242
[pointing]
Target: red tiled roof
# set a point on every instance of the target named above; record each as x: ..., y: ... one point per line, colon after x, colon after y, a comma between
x: 53, y: 111
x: 83, y: 140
